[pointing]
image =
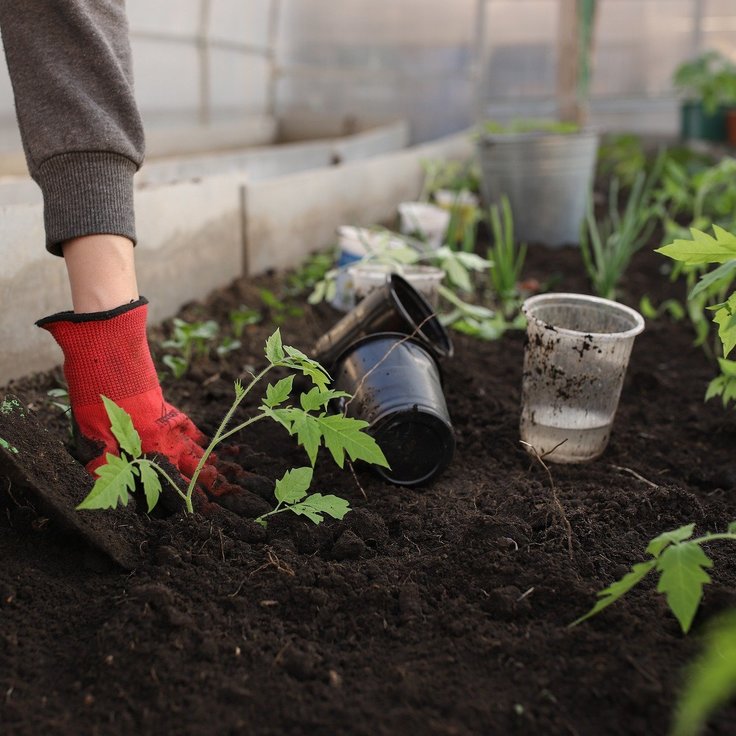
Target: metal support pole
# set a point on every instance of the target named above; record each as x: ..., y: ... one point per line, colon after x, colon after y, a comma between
x: 480, y: 61
x: 203, y: 47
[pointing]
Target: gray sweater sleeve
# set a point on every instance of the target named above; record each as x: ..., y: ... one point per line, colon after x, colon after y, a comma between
x: 70, y: 66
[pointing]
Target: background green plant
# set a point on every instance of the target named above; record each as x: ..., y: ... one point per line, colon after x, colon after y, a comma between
x: 709, y: 78
x: 608, y: 244
x: 703, y: 250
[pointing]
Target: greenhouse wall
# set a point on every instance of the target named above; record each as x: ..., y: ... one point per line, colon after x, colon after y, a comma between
x: 227, y: 73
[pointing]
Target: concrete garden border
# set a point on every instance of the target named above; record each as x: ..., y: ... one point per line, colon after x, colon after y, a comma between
x: 203, y: 221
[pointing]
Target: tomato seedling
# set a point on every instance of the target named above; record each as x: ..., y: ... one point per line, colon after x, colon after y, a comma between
x: 681, y: 564
x: 310, y: 422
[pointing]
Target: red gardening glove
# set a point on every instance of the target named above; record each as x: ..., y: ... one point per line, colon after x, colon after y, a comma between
x: 107, y: 353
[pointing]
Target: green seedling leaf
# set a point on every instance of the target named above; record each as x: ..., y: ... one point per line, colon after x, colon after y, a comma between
x: 340, y: 435
x: 711, y: 680
x: 345, y: 435
x: 8, y: 446
x: 317, y: 398
x: 681, y: 564
x: 682, y: 567
x: 703, y: 248
x: 274, y: 348
x: 297, y: 360
x: 725, y: 318
x: 121, y: 425
x: 294, y: 485
x: 151, y: 483
x: 176, y: 364
x: 614, y: 591
x: 714, y: 279
x: 315, y: 505
x: 115, y: 482
x: 655, y: 547
x: 279, y: 392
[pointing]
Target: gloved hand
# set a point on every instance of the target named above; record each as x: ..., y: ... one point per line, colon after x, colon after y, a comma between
x: 107, y: 353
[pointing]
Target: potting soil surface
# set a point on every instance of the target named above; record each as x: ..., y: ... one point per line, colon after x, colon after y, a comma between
x: 434, y: 610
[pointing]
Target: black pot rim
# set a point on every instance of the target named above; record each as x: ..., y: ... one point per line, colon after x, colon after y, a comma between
x: 402, y: 292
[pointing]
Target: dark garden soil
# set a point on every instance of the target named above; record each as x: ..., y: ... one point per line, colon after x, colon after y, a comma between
x: 440, y: 610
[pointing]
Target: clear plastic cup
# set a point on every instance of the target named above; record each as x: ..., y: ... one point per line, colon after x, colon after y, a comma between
x: 427, y: 221
x: 575, y: 360
x: 366, y: 277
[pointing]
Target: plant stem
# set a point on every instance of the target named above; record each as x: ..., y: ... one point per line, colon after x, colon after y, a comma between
x: 161, y: 471
x: 218, y: 436
x: 713, y: 538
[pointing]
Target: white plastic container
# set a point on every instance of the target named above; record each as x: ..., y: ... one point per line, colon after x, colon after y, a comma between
x: 575, y: 360
x: 354, y: 244
x: 366, y: 277
x: 357, y: 242
x: 426, y: 221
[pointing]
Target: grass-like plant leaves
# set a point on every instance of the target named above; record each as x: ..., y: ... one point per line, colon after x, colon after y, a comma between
x: 681, y: 563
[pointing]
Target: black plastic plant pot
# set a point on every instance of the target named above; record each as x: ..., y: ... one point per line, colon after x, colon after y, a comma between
x: 396, y: 387
x: 395, y: 307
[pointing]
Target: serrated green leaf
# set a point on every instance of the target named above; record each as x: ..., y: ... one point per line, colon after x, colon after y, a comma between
x: 703, y: 248
x: 151, y: 483
x: 711, y: 680
x: 345, y: 435
x: 121, y: 425
x: 655, y: 547
x: 307, y: 430
x: 682, y: 567
x: 714, y: 280
x: 725, y: 318
x: 315, y: 505
x: 614, y: 591
x: 279, y: 392
x: 293, y: 486
x: 274, y: 348
x: 115, y: 481
x: 317, y: 398
x: 282, y: 416
x: 311, y: 368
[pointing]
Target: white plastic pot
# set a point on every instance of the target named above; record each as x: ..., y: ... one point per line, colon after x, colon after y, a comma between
x: 366, y: 277
x: 425, y: 221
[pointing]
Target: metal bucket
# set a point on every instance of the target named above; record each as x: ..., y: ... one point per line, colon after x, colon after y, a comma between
x: 547, y: 178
